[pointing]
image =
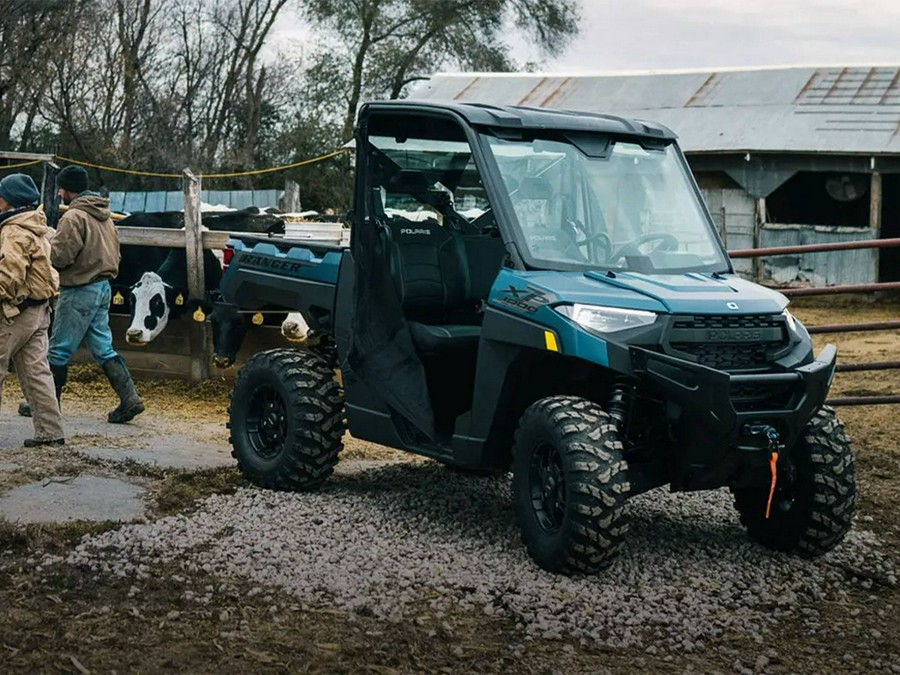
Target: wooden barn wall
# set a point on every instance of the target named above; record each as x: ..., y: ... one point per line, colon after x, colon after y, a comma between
x: 734, y: 213
x: 827, y: 268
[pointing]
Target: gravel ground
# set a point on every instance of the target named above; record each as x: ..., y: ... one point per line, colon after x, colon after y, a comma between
x: 387, y: 541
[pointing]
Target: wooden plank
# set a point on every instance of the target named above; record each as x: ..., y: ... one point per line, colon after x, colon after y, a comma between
x: 328, y: 233
x: 149, y: 364
x: 175, y: 339
x: 151, y: 236
x: 169, y: 356
x: 214, y: 240
x: 164, y: 344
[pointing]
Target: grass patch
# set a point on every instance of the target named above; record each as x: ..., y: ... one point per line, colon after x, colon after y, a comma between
x: 48, y: 537
x: 181, y: 491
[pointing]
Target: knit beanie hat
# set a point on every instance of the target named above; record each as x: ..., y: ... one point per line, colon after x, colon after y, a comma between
x: 19, y: 190
x: 72, y: 178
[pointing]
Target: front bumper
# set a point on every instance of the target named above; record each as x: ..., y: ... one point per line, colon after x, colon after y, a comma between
x: 712, y: 429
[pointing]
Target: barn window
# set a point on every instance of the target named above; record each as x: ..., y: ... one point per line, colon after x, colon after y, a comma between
x: 814, y: 198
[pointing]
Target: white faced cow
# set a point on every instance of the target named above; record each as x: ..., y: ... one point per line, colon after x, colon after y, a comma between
x: 149, y: 309
x: 294, y: 328
x: 153, y: 298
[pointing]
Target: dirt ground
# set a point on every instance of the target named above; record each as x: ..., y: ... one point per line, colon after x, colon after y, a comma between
x: 69, y: 622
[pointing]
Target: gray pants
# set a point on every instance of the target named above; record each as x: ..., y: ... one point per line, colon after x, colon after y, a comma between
x: 24, y: 343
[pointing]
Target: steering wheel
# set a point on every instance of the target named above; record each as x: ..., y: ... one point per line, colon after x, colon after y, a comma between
x: 598, y: 238
x: 667, y: 243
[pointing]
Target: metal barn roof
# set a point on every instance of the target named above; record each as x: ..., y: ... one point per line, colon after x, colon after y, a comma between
x: 844, y: 110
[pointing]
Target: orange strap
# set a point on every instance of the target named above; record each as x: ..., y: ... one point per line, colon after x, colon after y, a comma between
x: 773, y: 467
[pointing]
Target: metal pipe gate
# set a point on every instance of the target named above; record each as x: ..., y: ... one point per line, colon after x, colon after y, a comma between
x: 846, y: 327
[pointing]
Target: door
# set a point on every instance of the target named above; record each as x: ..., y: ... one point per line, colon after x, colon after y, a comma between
x: 424, y: 253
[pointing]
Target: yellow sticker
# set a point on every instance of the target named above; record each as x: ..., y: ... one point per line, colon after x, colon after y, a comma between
x: 257, y: 319
x: 118, y: 299
x: 179, y: 299
x: 199, y: 316
x: 550, y: 341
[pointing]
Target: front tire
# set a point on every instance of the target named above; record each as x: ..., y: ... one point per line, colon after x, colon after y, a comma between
x: 812, y: 513
x: 286, y: 420
x: 570, y: 483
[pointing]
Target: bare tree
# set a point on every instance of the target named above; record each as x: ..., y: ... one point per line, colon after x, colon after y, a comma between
x: 26, y: 43
x: 389, y: 44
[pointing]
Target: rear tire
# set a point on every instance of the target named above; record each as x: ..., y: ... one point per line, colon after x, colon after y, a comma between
x: 286, y: 420
x: 812, y: 514
x: 570, y: 483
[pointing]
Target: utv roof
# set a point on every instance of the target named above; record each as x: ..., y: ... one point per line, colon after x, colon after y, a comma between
x: 522, y: 117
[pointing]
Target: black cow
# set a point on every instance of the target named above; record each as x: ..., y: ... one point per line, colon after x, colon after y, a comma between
x: 230, y: 326
x: 243, y: 220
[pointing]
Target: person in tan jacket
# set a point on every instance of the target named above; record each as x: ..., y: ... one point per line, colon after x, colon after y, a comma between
x: 85, y: 251
x: 27, y: 283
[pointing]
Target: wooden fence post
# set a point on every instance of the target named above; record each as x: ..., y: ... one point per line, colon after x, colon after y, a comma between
x: 761, y: 220
x: 291, y: 201
x: 875, y: 199
x: 193, y: 246
x: 48, y: 194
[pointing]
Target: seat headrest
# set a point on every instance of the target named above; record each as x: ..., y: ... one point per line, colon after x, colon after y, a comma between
x: 535, y: 187
x: 408, y: 181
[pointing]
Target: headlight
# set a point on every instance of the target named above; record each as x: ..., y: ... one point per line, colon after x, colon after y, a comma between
x: 791, y: 322
x: 606, y: 319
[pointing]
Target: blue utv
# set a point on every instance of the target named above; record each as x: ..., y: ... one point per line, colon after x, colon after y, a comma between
x: 542, y: 292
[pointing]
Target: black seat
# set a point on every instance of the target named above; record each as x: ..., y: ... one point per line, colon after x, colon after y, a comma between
x: 430, y: 272
x: 430, y: 339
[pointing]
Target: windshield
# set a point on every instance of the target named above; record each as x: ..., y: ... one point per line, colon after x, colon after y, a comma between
x: 429, y: 180
x: 594, y: 202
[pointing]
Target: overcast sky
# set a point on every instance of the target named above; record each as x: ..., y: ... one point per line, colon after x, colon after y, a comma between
x: 666, y: 34
x: 676, y: 34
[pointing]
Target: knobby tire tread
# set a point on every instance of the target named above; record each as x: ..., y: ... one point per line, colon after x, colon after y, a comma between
x: 597, y: 472
x: 315, y: 401
x: 822, y: 520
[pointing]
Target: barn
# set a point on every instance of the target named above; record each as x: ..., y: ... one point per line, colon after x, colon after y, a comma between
x: 784, y: 156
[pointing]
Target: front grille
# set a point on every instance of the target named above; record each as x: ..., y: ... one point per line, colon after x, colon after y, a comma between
x: 729, y: 321
x: 729, y: 342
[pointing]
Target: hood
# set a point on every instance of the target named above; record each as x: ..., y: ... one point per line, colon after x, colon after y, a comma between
x: 696, y: 293
x: 94, y: 205
x: 31, y: 220
x: 691, y: 293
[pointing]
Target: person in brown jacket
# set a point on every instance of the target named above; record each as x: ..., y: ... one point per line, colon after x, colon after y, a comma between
x: 85, y: 251
x: 27, y: 283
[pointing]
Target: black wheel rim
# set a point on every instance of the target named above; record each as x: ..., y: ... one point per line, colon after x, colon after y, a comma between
x: 267, y: 422
x: 548, y: 487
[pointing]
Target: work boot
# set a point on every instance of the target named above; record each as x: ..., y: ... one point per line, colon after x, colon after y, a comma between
x: 60, y: 376
x: 38, y: 442
x: 130, y: 404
